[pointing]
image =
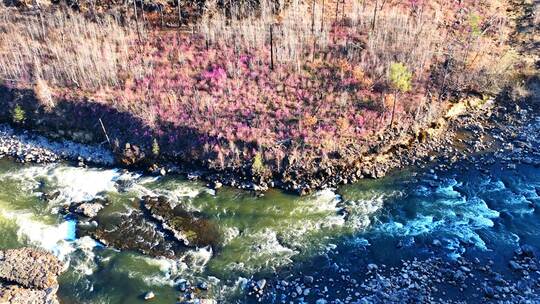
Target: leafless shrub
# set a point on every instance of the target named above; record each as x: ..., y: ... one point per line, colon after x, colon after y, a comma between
x: 396, y: 37
x: 483, y: 63
x: 62, y: 48
x: 293, y: 33
x: 536, y: 13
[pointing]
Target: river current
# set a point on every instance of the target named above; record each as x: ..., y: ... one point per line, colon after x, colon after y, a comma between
x: 482, y: 213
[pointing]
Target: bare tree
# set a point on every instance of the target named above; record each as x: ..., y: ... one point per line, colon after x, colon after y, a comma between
x: 322, y: 16
x: 375, y: 9
x: 179, y: 14
x: 136, y: 19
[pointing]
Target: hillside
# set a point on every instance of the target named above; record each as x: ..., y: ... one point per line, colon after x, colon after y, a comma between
x: 300, y: 95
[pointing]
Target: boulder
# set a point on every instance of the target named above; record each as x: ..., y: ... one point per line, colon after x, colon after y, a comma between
x: 30, y: 268
x: 14, y: 294
x: 133, y: 231
x: 29, y: 276
x: 89, y: 209
x: 190, y: 228
x: 149, y: 296
x: 131, y: 155
x: 527, y: 251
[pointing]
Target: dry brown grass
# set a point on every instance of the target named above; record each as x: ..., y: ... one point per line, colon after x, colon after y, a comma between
x: 536, y: 13
x: 44, y: 95
x: 294, y: 31
x: 62, y: 48
x: 412, y: 39
x: 417, y: 37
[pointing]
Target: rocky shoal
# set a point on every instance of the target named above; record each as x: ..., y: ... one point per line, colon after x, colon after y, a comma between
x: 29, y: 275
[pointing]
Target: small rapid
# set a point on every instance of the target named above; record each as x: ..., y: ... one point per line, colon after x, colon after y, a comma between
x: 256, y: 235
x: 165, y: 233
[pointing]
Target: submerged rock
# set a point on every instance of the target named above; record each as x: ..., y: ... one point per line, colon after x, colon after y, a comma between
x: 50, y: 196
x: 132, y: 231
x: 191, y: 228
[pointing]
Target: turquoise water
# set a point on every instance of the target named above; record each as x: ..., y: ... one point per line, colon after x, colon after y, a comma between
x: 468, y: 211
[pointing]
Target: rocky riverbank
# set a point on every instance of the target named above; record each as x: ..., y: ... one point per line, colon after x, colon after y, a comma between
x: 29, y: 276
x: 394, y: 150
x: 506, y: 136
x: 25, y: 146
x: 429, y: 280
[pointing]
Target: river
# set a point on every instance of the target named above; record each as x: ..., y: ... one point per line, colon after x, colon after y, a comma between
x: 480, y: 213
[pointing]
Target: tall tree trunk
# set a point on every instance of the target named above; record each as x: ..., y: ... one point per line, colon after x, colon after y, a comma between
x: 93, y: 8
x: 136, y: 20
x: 312, y: 17
x: 143, y: 14
x: 337, y: 10
x: 271, y: 47
x: 374, y: 15
x: 313, y: 29
x: 161, y: 16
x: 322, y: 16
x: 179, y: 14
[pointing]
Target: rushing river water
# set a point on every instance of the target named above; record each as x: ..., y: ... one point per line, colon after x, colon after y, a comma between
x: 484, y: 214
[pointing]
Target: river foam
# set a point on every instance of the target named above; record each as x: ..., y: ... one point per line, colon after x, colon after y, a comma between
x: 442, y: 211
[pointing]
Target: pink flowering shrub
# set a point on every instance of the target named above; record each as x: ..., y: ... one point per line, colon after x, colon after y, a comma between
x: 220, y: 103
x: 239, y: 107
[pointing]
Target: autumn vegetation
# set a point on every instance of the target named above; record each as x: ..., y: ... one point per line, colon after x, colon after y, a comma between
x: 272, y: 86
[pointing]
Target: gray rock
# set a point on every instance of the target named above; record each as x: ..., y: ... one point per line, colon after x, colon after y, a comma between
x: 149, y: 296
x: 308, y: 279
x: 202, y: 286
x: 183, y: 286
x: 217, y: 185
x: 465, y: 269
x: 514, y: 265
x: 372, y: 267
x: 13, y: 294
x: 261, y: 284
x: 32, y: 274
x: 89, y: 209
x: 527, y: 251
x: 30, y: 268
